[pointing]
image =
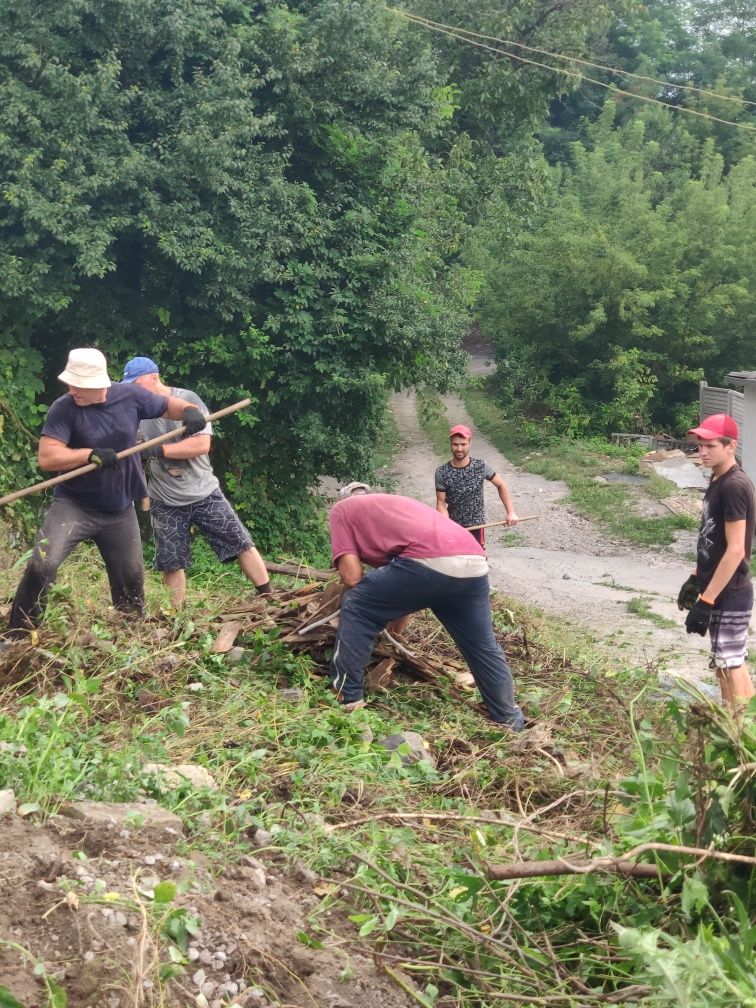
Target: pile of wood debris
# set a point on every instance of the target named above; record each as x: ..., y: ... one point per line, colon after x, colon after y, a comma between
x: 307, y: 618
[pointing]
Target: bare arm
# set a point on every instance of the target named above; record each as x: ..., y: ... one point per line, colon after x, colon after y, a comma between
x: 56, y: 456
x: 349, y: 567
x: 176, y: 407
x: 187, y: 448
x: 735, y: 532
x: 441, y: 505
x: 506, y: 499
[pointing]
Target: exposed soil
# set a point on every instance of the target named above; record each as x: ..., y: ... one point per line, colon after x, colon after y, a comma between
x: 563, y: 563
x: 92, y: 923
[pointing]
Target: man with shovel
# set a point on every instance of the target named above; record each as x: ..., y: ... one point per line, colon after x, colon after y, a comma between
x: 422, y: 560
x: 184, y: 491
x: 89, y: 425
x: 459, y: 486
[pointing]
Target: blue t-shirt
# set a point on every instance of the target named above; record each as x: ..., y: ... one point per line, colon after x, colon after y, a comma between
x: 112, y: 424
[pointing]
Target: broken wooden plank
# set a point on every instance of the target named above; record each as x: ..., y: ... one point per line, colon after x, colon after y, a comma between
x: 225, y: 639
x: 380, y: 676
x: 301, y: 571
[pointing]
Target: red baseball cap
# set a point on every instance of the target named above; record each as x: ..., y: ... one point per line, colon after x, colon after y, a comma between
x: 716, y: 426
x: 462, y: 430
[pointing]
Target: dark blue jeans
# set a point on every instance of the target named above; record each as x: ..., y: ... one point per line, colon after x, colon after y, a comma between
x: 462, y: 605
x: 66, y: 525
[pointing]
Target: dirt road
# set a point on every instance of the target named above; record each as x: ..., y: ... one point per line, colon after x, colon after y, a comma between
x: 564, y: 564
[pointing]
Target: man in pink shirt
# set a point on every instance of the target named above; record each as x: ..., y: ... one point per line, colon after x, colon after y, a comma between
x: 422, y: 560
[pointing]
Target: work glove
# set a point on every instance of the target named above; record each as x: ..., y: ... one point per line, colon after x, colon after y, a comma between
x: 104, y: 458
x: 689, y: 593
x: 193, y: 420
x: 699, y: 617
x: 157, y: 451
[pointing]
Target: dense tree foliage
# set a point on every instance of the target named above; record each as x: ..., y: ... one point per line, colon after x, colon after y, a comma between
x: 240, y: 190
x: 632, y: 275
x: 632, y: 280
x: 306, y: 201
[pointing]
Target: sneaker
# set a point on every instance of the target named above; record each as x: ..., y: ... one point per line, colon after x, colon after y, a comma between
x: 346, y: 707
x: 353, y: 706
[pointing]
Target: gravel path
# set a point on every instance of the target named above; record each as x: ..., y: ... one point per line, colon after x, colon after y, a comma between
x: 561, y: 562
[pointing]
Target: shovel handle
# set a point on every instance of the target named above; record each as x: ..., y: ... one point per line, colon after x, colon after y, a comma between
x: 475, y: 528
x: 134, y: 450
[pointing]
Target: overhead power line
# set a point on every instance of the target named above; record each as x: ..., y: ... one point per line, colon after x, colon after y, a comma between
x: 574, y: 59
x: 457, y: 34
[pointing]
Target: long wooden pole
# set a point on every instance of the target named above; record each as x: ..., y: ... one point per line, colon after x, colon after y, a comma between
x: 135, y: 450
x: 474, y: 528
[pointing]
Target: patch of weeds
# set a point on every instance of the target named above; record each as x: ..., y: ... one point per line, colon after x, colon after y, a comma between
x: 407, y: 851
x: 431, y: 413
x: 659, y: 487
x: 511, y: 537
x: 576, y: 463
x: 639, y: 607
x: 386, y: 442
x: 55, y: 996
x: 611, y: 583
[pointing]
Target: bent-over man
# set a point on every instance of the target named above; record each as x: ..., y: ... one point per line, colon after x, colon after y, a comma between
x: 92, y: 423
x: 184, y: 491
x: 719, y: 594
x: 422, y: 560
x: 459, y: 486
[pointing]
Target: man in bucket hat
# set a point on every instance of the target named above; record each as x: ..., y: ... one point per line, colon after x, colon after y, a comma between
x: 719, y: 593
x: 90, y: 424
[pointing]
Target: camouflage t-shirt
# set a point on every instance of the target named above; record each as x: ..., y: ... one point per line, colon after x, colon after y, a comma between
x: 464, y: 490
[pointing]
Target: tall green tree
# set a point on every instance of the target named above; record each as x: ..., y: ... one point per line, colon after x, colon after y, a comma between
x: 625, y: 289
x: 242, y: 191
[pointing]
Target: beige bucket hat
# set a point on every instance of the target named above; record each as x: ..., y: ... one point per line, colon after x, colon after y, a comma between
x: 86, y: 368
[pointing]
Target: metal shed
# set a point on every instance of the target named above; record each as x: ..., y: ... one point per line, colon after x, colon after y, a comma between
x: 748, y: 422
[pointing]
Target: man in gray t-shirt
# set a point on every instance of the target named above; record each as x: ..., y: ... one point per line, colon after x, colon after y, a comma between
x: 184, y: 491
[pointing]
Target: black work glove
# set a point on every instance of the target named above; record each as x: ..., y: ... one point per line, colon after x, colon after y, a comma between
x: 104, y: 458
x: 699, y: 617
x: 157, y: 451
x: 193, y: 420
x: 689, y: 593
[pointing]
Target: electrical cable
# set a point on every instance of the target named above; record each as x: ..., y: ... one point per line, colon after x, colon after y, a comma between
x: 413, y: 19
x: 572, y: 59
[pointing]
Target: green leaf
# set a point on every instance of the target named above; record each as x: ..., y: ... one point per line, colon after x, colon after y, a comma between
x: 369, y: 926
x: 28, y: 808
x: 7, y: 1000
x: 695, y: 895
x: 165, y: 892
x: 308, y: 940
x: 57, y: 996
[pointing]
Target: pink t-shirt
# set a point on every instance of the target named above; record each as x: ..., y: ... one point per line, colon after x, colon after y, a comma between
x: 379, y: 527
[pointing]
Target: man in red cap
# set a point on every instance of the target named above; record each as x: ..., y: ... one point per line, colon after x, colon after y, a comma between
x: 719, y: 594
x: 459, y: 485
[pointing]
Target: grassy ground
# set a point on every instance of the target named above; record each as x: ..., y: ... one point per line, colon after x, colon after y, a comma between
x: 405, y: 852
x: 640, y: 607
x: 577, y: 463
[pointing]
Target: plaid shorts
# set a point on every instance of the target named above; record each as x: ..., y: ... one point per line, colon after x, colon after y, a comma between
x: 214, y: 518
x: 729, y: 638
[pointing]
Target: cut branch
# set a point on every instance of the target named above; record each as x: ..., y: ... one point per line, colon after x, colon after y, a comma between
x: 537, y: 869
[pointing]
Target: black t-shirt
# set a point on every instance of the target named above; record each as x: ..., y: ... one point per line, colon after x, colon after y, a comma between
x: 112, y: 424
x: 729, y: 498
